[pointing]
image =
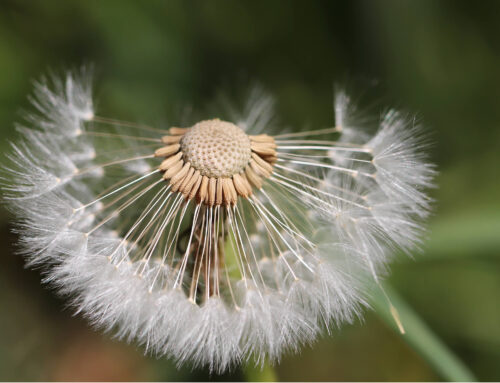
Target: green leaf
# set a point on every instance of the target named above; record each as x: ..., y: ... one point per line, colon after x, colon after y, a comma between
x: 420, y: 337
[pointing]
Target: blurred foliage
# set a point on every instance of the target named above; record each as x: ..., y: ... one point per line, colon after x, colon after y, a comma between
x: 440, y: 58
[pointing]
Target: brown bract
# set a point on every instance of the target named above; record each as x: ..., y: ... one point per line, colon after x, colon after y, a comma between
x: 215, y: 162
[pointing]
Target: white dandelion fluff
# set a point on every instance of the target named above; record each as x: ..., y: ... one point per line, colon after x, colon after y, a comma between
x: 217, y: 242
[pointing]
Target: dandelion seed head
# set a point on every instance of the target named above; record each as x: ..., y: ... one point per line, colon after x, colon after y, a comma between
x: 218, y: 242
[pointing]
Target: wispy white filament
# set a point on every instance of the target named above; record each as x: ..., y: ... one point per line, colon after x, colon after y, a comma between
x: 213, y: 285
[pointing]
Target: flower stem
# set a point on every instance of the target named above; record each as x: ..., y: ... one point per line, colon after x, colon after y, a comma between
x: 254, y: 373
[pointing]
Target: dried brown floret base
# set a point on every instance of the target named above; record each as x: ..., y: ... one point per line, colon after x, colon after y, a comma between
x: 215, y: 190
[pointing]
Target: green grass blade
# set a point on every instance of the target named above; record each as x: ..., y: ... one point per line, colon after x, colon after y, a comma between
x: 420, y: 337
x: 465, y: 234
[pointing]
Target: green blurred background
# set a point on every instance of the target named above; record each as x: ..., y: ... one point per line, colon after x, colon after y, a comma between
x: 438, y: 58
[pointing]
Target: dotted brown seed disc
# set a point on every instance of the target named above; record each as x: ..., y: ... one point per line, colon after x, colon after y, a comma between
x: 216, y: 148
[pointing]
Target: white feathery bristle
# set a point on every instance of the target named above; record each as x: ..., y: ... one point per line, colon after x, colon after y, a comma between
x: 63, y: 104
x: 399, y: 155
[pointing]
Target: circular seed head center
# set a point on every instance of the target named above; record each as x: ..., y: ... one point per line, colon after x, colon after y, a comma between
x: 216, y: 148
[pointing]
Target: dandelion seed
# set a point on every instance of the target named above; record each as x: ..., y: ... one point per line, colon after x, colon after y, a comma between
x: 217, y: 242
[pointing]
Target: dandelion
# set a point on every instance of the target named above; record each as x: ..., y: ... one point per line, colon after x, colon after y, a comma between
x: 218, y: 241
